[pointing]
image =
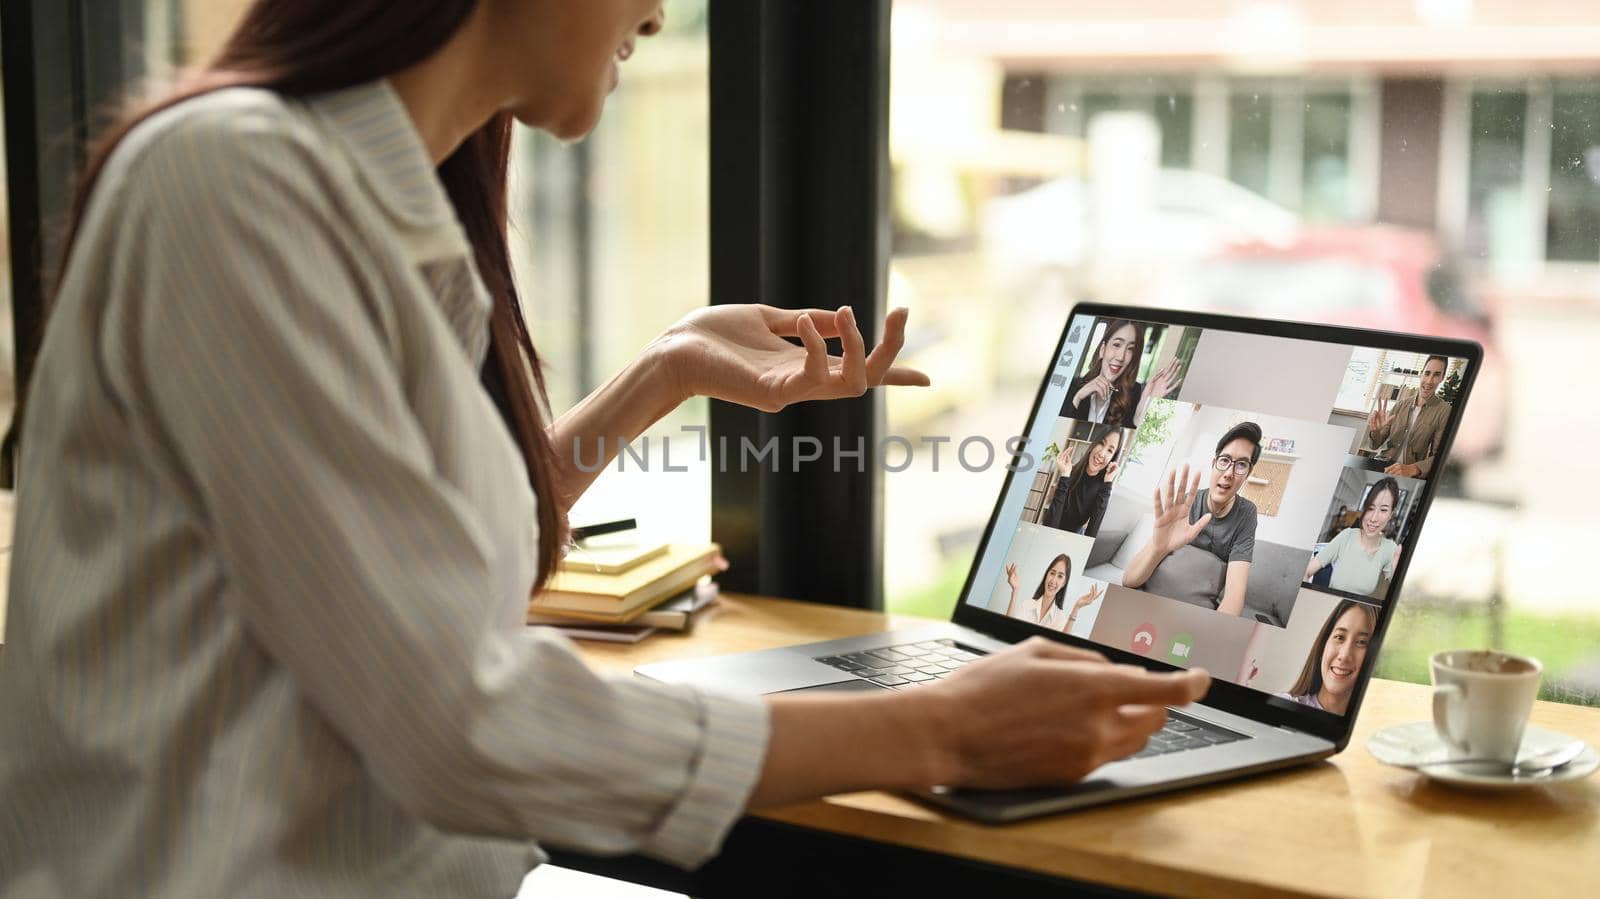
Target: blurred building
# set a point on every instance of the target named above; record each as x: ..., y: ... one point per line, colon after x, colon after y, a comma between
x: 1478, y: 120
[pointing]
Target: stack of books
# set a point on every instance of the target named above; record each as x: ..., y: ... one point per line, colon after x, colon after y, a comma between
x: 624, y: 593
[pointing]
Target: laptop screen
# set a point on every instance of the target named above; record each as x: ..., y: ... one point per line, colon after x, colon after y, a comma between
x: 1210, y: 497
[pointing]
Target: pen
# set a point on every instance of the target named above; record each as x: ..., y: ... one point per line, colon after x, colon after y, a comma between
x: 604, y: 527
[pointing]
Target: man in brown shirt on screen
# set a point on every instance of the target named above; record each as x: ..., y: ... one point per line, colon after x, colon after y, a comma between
x: 1406, y: 438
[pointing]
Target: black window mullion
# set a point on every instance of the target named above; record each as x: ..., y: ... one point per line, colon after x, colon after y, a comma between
x: 66, y: 63
x: 799, y: 156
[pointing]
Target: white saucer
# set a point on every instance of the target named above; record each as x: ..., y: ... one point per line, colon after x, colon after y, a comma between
x: 1407, y: 745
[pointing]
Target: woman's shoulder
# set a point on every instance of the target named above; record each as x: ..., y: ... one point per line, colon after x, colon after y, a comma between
x: 255, y: 129
x: 1309, y: 699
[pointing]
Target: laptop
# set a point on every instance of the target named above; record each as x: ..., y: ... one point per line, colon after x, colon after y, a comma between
x: 1319, y: 449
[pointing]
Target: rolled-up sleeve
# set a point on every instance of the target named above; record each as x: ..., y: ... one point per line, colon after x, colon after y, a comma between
x: 277, y: 377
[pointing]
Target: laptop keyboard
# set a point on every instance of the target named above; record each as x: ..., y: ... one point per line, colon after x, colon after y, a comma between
x: 913, y: 664
x: 907, y: 664
x: 1182, y: 732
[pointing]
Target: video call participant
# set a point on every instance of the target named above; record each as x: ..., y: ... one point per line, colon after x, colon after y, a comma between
x: 1047, y: 608
x: 1109, y: 393
x: 1361, y: 555
x: 1336, y: 658
x: 1218, y: 521
x: 1405, y: 438
x: 1078, y: 499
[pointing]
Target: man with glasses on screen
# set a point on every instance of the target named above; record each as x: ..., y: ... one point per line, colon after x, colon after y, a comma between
x: 1191, y: 526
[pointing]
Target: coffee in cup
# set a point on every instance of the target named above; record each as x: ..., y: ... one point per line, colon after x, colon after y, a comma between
x: 1481, y: 701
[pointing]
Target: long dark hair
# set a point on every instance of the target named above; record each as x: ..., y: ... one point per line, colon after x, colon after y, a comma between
x: 303, y: 47
x: 1310, y: 680
x: 1097, y: 435
x: 1120, y: 409
x: 1060, y: 594
x: 1379, y: 486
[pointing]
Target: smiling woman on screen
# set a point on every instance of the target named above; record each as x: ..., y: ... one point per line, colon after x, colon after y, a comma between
x: 287, y: 480
x: 1330, y: 672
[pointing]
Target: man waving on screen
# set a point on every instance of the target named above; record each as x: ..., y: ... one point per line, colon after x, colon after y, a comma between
x: 1219, y: 522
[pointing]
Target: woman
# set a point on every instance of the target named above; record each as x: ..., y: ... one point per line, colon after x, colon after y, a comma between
x: 1330, y: 672
x: 1110, y: 393
x: 1361, y: 555
x: 1079, y: 496
x: 286, y: 483
x: 1047, y: 608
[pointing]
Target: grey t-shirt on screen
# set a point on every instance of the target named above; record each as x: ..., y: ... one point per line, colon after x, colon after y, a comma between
x: 1231, y: 538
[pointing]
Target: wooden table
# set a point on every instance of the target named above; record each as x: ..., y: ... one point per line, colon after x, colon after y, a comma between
x: 1345, y: 827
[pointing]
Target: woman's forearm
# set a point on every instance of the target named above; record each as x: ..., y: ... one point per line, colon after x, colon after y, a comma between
x: 593, y: 431
x: 897, y: 741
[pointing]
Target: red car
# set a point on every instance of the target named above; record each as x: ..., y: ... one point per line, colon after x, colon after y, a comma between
x: 1378, y: 276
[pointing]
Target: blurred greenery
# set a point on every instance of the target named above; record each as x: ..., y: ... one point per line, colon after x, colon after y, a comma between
x: 1153, y: 429
x: 1567, y: 643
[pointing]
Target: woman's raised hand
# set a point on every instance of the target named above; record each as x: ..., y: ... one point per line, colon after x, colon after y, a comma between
x: 738, y: 353
x: 1064, y: 463
x: 1164, y: 381
x: 1087, y: 598
x: 1011, y: 575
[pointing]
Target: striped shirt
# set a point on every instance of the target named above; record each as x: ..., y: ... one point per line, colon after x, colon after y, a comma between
x: 274, y: 545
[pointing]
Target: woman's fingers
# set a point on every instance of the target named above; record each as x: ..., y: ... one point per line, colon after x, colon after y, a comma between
x: 786, y: 322
x: 853, y: 371
x: 816, y: 351
x: 1050, y: 649
x: 1123, y: 685
x: 901, y: 376
x: 880, y: 364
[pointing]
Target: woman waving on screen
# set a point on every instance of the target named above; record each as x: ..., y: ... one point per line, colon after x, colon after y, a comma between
x: 1110, y: 392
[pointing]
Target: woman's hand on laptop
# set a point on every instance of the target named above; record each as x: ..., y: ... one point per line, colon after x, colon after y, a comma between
x: 1044, y: 713
x: 1035, y: 713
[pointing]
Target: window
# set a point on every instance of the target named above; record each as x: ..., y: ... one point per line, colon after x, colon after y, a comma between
x: 1254, y: 185
x: 1326, y: 191
x: 1250, y: 141
x: 1496, y: 209
x: 1572, y: 232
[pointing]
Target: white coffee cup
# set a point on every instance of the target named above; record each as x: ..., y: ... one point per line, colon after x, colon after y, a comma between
x: 1481, y: 701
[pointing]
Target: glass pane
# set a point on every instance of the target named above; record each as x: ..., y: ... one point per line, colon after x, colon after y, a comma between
x: 1175, y: 115
x: 1250, y: 141
x: 1574, y: 226
x: 1325, y: 192
x: 1496, y: 208
x: 1189, y: 209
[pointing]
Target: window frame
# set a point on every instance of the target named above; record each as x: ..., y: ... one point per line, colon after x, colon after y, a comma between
x: 799, y: 218
x: 65, y: 63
